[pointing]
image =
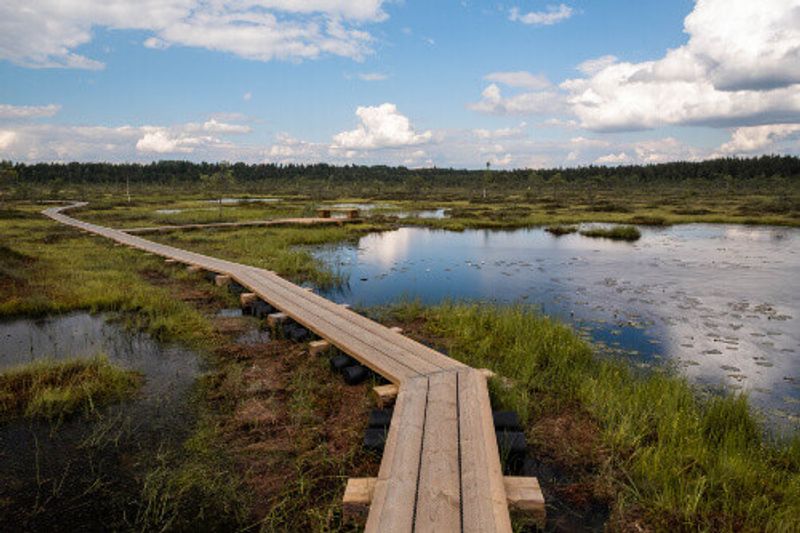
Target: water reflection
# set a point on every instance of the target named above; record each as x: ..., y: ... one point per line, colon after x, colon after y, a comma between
x: 720, y: 301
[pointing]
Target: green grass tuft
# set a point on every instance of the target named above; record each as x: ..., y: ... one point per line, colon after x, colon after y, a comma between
x: 52, y: 389
x: 617, y: 233
x: 559, y: 230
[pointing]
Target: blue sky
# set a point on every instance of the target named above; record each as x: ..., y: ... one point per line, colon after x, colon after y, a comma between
x: 525, y: 83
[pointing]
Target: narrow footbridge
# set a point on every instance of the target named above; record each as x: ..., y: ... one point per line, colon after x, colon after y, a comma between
x: 441, y: 467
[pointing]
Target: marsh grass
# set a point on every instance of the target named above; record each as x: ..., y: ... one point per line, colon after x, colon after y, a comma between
x: 617, y: 233
x: 193, y: 486
x: 54, y: 389
x: 49, y: 269
x: 283, y: 250
x: 559, y: 230
x: 677, y: 460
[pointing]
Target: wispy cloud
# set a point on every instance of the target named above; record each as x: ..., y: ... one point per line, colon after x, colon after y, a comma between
x: 28, y: 111
x: 551, y: 15
x: 372, y: 76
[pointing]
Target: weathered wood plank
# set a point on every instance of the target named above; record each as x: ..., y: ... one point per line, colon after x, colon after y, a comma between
x: 358, y: 497
x: 439, y: 490
x: 318, y: 347
x: 483, y: 499
x: 524, y: 496
x: 396, y: 488
x: 385, y: 395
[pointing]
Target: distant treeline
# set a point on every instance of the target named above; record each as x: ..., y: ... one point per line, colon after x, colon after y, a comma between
x: 735, y: 170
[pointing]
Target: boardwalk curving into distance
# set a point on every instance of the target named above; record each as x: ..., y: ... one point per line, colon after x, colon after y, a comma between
x: 272, y: 222
x: 441, y: 467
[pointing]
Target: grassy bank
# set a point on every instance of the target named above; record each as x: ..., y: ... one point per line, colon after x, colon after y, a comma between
x: 52, y: 389
x: 659, y: 454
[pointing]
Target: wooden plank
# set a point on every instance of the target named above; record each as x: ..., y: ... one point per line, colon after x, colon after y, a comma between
x: 385, y: 395
x: 396, y: 488
x: 439, y: 490
x: 396, y: 329
x: 318, y: 347
x: 432, y: 357
x: 358, y: 497
x: 327, y: 326
x: 277, y: 318
x: 524, y: 496
x: 483, y: 495
x: 247, y: 298
x: 222, y: 280
x: 296, y: 303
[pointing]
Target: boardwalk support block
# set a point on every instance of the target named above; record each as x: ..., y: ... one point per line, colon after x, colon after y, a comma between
x: 357, y: 497
x: 524, y: 496
x: 318, y: 347
x: 385, y: 395
x: 222, y: 280
x: 247, y: 298
x: 276, y: 319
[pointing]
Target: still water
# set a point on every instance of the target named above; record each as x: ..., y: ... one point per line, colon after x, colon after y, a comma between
x: 82, y: 474
x: 722, y: 302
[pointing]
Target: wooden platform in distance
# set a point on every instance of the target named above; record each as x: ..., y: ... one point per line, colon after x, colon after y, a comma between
x: 441, y: 468
x: 309, y: 221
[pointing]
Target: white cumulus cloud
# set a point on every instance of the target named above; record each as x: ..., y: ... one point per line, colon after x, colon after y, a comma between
x: 47, y: 33
x: 740, y: 67
x: 7, y: 138
x: 381, y: 126
x: 535, y: 102
x: 613, y: 159
x: 753, y: 139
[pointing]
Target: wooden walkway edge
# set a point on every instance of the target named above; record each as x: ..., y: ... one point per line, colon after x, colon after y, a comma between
x: 441, y: 467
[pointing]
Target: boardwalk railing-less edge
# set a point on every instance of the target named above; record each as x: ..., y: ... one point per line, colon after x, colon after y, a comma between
x: 441, y: 468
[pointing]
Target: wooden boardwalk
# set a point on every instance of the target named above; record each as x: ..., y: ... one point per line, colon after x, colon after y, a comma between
x: 441, y: 467
x: 314, y: 221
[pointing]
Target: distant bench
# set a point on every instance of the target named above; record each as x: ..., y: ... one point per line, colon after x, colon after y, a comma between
x: 325, y: 212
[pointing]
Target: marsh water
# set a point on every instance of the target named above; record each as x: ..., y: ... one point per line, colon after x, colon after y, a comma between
x: 722, y: 302
x: 87, y: 468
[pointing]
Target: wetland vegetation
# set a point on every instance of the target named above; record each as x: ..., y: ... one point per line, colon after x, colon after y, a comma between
x: 616, y: 233
x: 53, y: 389
x: 647, y: 446
x: 271, y: 437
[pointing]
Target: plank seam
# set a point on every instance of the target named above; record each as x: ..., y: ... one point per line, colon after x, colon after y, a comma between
x: 421, y: 453
x: 460, y: 470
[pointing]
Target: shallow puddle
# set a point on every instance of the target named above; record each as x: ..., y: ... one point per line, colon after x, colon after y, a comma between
x: 84, y: 474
